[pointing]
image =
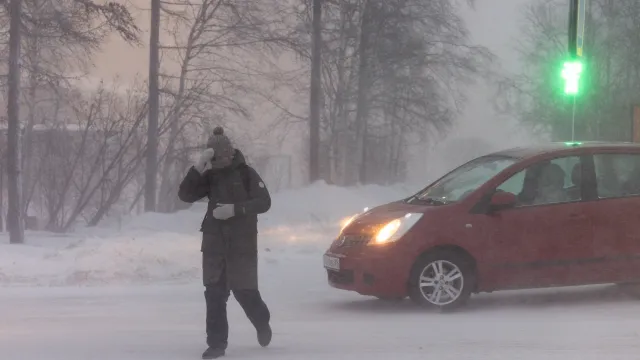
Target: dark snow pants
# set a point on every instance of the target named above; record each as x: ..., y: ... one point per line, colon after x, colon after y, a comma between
x: 216, y: 296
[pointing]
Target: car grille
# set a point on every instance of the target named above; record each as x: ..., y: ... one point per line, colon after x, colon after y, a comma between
x: 353, y: 240
x: 343, y: 277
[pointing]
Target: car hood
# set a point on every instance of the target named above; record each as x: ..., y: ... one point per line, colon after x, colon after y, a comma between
x: 371, y: 220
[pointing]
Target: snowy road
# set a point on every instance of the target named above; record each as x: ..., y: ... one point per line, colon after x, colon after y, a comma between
x: 118, y: 318
x: 312, y: 321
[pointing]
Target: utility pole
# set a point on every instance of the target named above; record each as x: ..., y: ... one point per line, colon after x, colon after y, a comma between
x: 151, y: 172
x: 14, y: 186
x: 573, y: 68
x: 315, y: 93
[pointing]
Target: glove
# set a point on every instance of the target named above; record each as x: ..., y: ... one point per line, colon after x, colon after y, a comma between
x: 223, y: 211
x: 204, y: 162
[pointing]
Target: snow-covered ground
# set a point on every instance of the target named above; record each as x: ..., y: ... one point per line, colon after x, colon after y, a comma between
x: 159, y: 248
x: 133, y: 292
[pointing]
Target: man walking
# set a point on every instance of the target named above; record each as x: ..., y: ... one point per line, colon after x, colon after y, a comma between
x: 236, y: 195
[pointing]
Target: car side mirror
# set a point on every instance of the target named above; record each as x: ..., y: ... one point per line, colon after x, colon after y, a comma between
x: 502, y: 200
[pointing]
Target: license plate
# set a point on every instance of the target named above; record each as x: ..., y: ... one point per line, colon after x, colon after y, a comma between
x: 331, y: 262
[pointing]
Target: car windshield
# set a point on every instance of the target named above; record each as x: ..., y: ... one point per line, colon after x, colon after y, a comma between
x: 461, y: 182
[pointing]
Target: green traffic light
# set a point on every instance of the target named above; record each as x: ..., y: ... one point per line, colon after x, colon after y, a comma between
x: 571, y: 71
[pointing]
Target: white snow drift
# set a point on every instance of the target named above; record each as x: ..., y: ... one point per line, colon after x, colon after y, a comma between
x: 155, y: 248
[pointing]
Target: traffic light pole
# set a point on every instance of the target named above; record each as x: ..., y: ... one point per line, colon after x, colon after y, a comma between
x: 573, y: 68
x: 573, y: 120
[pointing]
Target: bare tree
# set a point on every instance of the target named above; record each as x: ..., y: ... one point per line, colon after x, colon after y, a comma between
x: 224, y: 51
x: 392, y: 73
x: 151, y: 177
x: 14, y: 216
x: 58, y: 18
x: 85, y: 166
x: 315, y: 93
x: 53, y: 55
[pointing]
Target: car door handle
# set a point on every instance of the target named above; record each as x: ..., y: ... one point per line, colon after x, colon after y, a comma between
x: 577, y: 216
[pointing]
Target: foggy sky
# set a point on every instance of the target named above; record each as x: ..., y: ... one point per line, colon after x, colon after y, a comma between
x: 494, y: 24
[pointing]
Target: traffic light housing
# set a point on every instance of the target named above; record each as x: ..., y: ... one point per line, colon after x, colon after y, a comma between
x: 573, y: 68
x: 571, y: 73
x: 577, y: 18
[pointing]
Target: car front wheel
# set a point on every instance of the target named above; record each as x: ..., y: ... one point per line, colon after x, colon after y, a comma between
x: 442, y: 279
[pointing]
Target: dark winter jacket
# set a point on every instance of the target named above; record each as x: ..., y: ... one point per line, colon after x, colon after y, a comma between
x: 229, y: 244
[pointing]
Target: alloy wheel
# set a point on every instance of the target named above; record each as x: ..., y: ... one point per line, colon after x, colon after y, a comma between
x: 441, y: 282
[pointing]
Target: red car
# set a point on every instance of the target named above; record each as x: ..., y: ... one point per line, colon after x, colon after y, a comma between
x: 559, y: 214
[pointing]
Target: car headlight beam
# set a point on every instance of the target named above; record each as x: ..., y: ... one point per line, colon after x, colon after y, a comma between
x: 395, y: 229
x: 346, y: 222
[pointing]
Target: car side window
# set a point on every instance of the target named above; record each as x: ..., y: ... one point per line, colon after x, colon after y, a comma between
x: 547, y: 182
x: 617, y: 175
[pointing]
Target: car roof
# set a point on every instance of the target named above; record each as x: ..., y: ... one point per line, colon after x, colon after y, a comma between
x: 525, y: 152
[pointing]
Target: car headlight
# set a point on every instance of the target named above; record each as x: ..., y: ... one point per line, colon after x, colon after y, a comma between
x: 395, y: 229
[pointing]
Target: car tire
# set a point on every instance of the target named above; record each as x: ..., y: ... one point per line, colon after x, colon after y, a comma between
x: 443, y: 279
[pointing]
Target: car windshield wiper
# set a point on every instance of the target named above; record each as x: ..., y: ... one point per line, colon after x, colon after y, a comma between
x: 429, y: 200
x: 434, y: 201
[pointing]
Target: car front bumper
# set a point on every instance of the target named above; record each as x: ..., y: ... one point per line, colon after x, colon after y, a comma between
x: 368, y: 273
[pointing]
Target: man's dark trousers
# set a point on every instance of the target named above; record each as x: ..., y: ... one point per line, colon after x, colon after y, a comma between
x: 216, y: 296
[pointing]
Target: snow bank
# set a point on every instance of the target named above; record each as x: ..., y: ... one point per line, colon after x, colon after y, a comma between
x: 155, y: 248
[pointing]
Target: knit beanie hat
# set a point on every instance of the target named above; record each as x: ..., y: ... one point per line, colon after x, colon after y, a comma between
x: 223, y: 148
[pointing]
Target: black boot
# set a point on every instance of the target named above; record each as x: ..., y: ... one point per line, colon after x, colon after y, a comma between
x: 264, y: 336
x: 213, y: 353
x: 257, y: 312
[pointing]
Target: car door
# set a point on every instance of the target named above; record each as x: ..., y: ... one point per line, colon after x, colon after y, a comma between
x: 615, y: 213
x: 544, y: 240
